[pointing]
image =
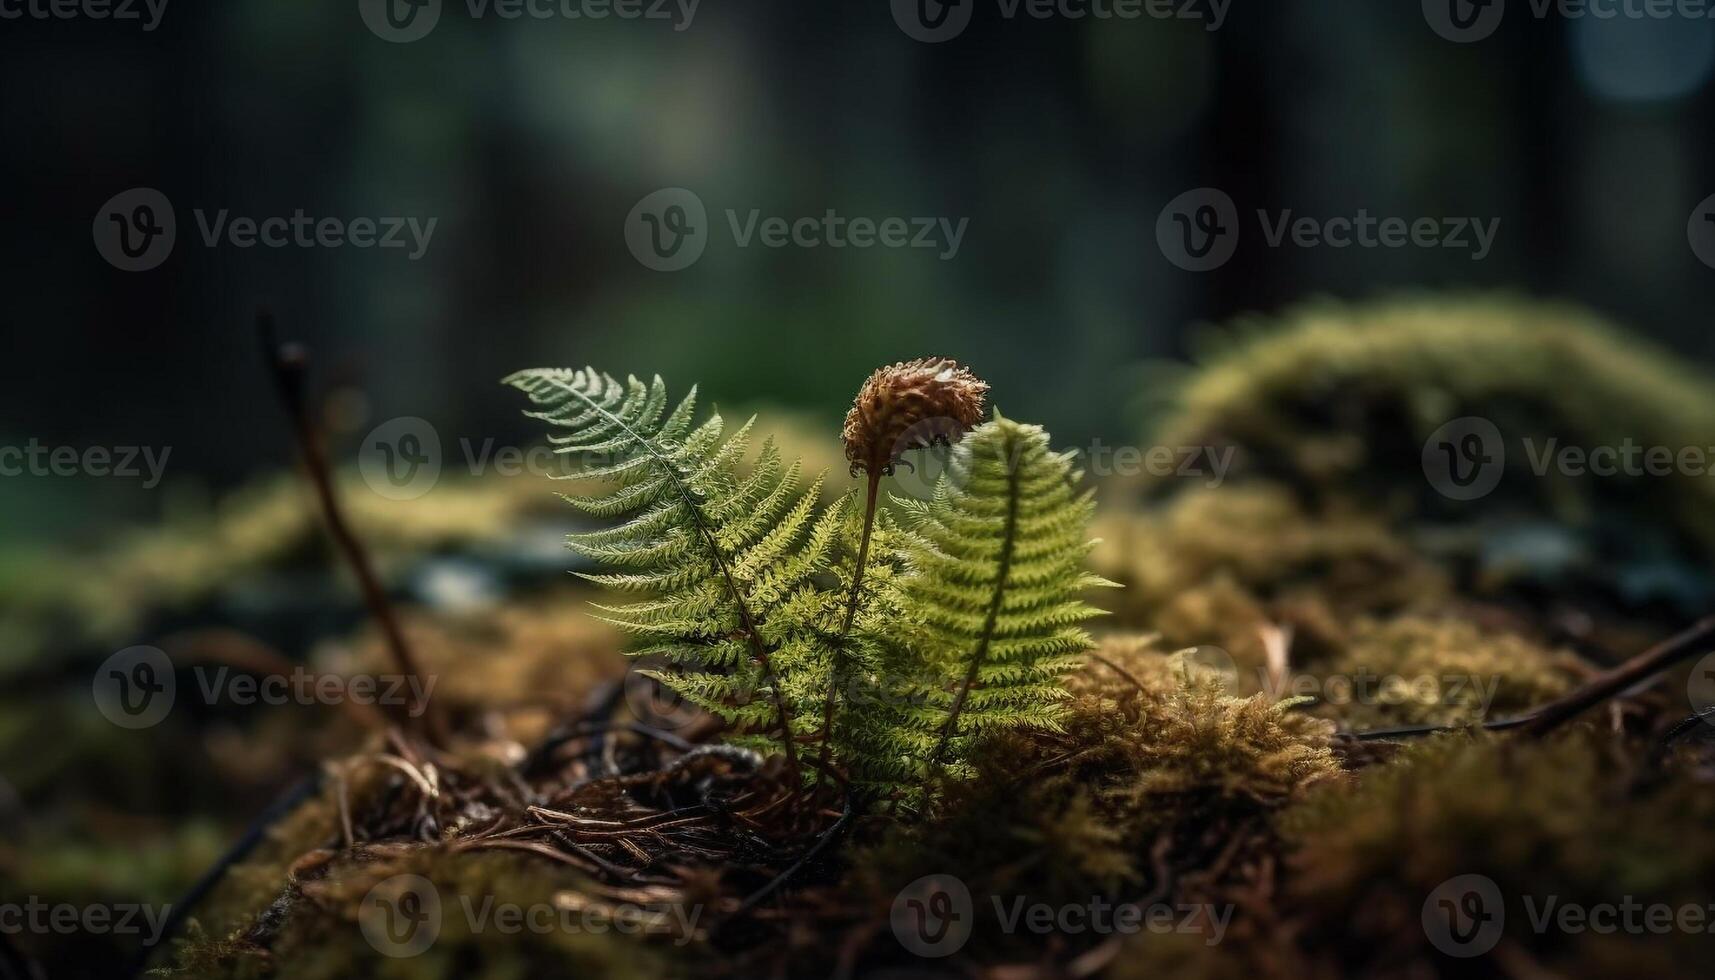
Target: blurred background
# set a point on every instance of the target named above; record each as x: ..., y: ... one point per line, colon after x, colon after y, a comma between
x: 677, y: 187
x: 1056, y: 141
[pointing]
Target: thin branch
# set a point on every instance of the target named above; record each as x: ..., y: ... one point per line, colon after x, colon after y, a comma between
x: 1698, y: 638
x: 289, y: 364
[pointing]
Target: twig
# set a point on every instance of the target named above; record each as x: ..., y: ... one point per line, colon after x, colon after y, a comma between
x: 1686, y: 726
x: 828, y: 835
x: 1116, y: 668
x: 1699, y: 637
x: 288, y: 364
x: 180, y: 910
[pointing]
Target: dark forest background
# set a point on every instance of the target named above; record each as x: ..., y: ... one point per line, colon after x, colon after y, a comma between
x: 530, y: 141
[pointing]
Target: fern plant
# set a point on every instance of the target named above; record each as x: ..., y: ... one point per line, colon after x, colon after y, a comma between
x: 725, y: 565
x: 892, y: 649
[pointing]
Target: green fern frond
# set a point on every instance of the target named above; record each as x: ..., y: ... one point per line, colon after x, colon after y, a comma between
x: 997, y: 570
x: 725, y: 567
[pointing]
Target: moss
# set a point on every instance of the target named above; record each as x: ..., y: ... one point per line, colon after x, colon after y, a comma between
x: 1213, y: 566
x: 1570, y: 818
x: 1439, y: 670
x: 1338, y: 400
x: 1156, y: 770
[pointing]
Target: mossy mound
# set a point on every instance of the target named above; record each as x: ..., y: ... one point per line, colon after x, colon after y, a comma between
x: 1339, y: 400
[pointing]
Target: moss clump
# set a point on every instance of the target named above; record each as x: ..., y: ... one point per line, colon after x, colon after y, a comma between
x: 1213, y: 566
x: 1338, y: 400
x: 1157, y: 776
x: 1570, y: 818
x: 1438, y: 670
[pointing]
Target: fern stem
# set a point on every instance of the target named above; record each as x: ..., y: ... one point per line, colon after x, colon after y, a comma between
x: 746, y: 621
x: 837, y: 673
x: 993, y: 615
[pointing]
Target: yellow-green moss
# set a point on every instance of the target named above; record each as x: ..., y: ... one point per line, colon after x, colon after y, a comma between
x: 1438, y: 670
x: 1341, y: 397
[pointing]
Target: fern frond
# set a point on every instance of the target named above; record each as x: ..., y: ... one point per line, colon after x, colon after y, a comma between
x: 997, y: 570
x: 724, y: 565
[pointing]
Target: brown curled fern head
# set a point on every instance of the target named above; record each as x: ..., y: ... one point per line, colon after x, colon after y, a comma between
x: 911, y: 405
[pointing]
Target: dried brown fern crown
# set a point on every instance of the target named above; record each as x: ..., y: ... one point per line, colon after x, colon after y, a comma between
x: 910, y: 405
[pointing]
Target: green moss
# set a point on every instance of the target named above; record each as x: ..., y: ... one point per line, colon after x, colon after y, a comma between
x: 1214, y: 566
x: 1569, y: 818
x: 1154, y: 765
x: 1338, y: 399
x: 1439, y: 670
